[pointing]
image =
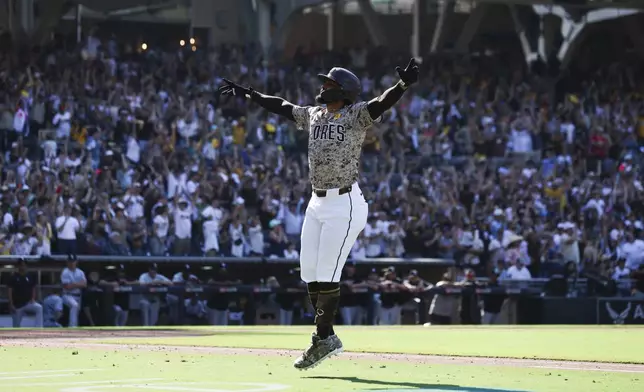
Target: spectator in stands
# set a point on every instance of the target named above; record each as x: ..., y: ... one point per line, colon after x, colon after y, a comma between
x: 513, y: 153
x: 518, y: 271
x: 182, y: 221
x: 66, y: 228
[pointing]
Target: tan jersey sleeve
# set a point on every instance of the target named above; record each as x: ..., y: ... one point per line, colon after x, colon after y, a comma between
x: 302, y: 115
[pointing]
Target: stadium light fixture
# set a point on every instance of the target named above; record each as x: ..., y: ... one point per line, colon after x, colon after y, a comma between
x: 144, y: 46
x: 182, y: 43
x: 192, y: 41
x: 194, y: 48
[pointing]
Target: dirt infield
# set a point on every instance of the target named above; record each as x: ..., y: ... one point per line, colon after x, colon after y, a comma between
x: 86, y: 339
x: 63, y: 333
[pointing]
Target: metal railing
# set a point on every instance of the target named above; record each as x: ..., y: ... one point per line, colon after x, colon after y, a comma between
x: 215, y: 260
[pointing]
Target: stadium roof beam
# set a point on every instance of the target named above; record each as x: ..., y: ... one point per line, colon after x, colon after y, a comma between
x: 627, y: 4
x: 372, y: 21
x: 470, y: 28
x: 445, y: 12
x: 528, y: 51
x: 51, y: 11
x: 636, y: 33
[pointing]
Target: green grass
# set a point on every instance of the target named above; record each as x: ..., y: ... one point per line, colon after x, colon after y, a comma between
x: 601, y: 344
x: 25, y: 370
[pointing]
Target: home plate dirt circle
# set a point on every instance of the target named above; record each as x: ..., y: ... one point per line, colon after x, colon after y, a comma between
x: 88, y: 339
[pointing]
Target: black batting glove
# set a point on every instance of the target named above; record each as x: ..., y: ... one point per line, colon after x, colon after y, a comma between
x: 232, y: 88
x: 409, y: 75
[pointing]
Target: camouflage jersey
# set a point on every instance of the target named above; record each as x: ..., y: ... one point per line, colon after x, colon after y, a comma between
x: 335, y: 142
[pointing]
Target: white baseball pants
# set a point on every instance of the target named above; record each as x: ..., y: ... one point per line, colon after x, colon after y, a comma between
x: 73, y: 302
x: 331, y: 226
x: 149, y: 311
x: 31, y: 308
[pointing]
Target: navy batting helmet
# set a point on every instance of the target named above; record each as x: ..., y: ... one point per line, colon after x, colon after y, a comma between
x: 349, y: 86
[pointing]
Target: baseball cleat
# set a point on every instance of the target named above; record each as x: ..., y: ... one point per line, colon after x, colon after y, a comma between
x: 319, y: 350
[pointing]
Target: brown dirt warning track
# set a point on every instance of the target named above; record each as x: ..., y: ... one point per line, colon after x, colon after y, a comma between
x: 88, y: 339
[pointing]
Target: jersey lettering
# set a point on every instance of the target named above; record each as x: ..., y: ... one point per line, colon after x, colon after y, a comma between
x: 329, y: 132
x: 335, y: 142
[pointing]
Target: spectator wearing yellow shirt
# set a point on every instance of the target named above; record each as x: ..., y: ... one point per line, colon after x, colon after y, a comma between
x: 79, y: 134
x: 239, y: 132
x: 6, y: 244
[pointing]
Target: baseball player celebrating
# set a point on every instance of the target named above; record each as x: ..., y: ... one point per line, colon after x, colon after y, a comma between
x: 337, y: 211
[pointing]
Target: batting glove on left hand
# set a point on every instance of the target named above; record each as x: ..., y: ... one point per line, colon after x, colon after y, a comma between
x: 409, y: 75
x: 232, y: 88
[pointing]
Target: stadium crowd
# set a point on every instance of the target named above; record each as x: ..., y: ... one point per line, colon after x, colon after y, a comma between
x: 131, y: 152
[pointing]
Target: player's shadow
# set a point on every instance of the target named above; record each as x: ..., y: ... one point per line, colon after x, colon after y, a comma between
x: 409, y: 385
x: 401, y: 384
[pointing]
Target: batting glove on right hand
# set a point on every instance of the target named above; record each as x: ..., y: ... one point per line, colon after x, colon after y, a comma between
x: 232, y: 88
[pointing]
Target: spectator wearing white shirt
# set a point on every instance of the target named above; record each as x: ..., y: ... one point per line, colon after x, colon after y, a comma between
x: 7, y: 220
x: 359, y: 250
x: 44, y: 234
x: 373, y: 237
x: 292, y: 219
x: 620, y: 274
x: 570, y: 244
x: 25, y: 243
x: 73, y: 281
x: 256, y: 237
x: 291, y: 253
x: 394, y: 240
x: 62, y: 122
x: 177, y: 183
x: 134, y: 202
x: 66, y: 227
x: 151, y: 303
x: 182, y: 218
x: 521, y: 141
x: 632, y: 250
x: 188, y: 127
x: 236, y: 230
x: 518, y: 271
x: 20, y: 122
x: 160, y: 228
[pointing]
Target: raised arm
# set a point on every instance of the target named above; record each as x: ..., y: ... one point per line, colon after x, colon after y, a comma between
x: 273, y: 104
x: 408, y: 76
